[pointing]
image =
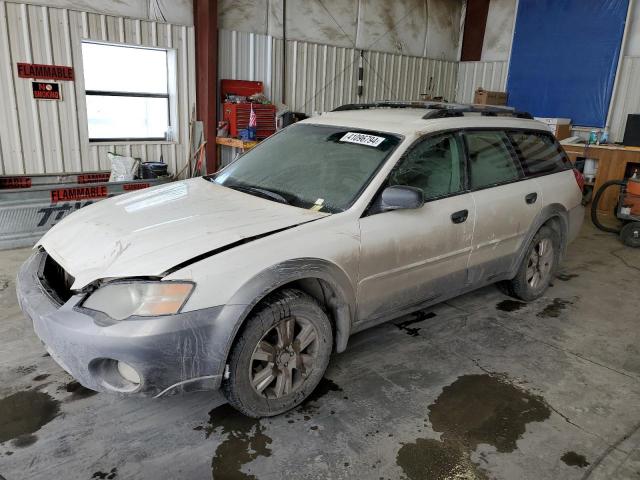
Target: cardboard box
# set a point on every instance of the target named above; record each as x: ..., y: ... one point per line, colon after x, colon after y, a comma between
x: 560, y: 127
x: 486, y: 97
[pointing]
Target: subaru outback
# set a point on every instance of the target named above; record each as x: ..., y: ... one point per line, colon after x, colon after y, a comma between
x: 249, y: 279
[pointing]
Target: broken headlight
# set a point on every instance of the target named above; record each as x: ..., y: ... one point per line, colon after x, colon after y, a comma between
x: 122, y: 300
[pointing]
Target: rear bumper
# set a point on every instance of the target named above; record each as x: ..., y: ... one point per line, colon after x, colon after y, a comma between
x: 576, y: 219
x: 175, y: 353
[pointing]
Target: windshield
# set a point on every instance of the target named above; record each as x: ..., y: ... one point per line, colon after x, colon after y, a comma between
x: 323, y: 168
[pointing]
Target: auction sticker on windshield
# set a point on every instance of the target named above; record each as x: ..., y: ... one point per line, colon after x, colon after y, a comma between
x: 362, y: 139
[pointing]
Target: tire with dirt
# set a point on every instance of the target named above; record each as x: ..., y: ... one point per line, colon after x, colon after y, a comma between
x: 279, y: 356
x: 630, y: 234
x: 538, y: 267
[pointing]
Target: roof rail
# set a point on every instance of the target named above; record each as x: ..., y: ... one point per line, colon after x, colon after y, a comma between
x: 441, y: 109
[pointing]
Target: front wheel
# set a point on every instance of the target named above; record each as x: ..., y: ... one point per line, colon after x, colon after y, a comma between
x: 538, y: 266
x: 280, y: 355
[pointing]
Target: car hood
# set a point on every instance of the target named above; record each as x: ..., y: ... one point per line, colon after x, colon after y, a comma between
x: 148, y: 232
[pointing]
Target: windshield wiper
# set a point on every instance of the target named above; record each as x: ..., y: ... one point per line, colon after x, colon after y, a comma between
x: 261, y: 192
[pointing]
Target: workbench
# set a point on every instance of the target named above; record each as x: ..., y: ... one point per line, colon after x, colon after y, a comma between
x: 615, y: 162
x: 233, y: 143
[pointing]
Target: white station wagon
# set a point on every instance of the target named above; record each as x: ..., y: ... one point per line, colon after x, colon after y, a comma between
x: 248, y: 280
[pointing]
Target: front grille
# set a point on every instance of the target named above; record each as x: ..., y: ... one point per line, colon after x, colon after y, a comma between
x: 56, y: 280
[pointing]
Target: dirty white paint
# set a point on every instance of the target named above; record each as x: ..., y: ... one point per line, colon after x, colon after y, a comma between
x: 174, y: 11
x: 627, y: 99
x: 52, y: 136
x: 429, y: 28
x: 474, y: 75
x: 499, y: 32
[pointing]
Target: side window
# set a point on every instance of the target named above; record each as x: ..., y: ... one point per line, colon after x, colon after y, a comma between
x: 490, y: 159
x: 539, y: 153
x: 434, y: 166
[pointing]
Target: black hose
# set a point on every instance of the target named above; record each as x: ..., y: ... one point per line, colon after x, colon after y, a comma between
x: 596, y: 201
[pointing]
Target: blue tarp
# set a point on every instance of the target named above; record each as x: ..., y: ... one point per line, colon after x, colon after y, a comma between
x: 564, y: 58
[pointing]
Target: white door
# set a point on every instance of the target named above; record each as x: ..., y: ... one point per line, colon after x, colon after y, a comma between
x: 506, y: 203
x: 412, y: 257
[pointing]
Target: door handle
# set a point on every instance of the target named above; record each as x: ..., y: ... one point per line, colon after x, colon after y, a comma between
x: 460, y: 217
x: 531, y: 198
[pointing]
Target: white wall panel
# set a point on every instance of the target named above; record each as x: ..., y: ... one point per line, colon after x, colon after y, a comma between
x: 627, y: 98
x: 51, y: 136
x: 472, y: 75
x: 321, y: 77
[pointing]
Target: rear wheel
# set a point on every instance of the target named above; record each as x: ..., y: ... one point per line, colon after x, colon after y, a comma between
x: 280, y: 356
x: 630, y: 234
x: 538, y: 266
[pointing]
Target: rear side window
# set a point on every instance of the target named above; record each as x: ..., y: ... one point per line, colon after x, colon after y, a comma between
x: 539, y: 153
x: 490, y: 159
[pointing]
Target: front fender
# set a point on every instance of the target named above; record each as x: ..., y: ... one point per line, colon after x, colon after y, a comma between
x: 240, y: 305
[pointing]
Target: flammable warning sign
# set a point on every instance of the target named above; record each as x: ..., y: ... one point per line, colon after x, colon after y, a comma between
x: 78, y: 193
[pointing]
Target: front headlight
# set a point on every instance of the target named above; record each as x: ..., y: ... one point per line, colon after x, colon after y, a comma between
x: 147, y: 299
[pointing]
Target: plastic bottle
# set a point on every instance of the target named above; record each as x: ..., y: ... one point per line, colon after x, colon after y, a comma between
x: 593, y: 137
x: 604, y: 138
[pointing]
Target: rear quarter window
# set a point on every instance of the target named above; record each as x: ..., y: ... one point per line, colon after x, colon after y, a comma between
x: 539, y: 153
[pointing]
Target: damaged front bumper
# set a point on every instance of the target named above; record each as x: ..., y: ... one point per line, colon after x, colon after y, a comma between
x: 169, y: 354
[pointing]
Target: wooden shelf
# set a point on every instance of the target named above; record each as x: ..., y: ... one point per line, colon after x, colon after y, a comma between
x: 236, y: 143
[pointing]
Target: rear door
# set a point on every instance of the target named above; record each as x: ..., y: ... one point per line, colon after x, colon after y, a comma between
x: 542, y: 158
x: 506, y: 203
x: 413, y: 257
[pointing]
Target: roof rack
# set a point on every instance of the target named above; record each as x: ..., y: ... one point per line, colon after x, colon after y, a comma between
x: 441, y: 109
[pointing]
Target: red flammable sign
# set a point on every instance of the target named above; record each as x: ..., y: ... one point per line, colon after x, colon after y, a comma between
x: 49, y: 72
x: 93, y: 177
x: 15, y: 182
x: 78, y: 193
x: 128, y: 187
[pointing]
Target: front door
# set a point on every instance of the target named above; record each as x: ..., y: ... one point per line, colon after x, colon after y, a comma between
x: 413, y: 257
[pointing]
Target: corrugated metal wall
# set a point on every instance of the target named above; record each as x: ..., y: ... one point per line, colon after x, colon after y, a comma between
x: 323, y: 77
x: 627, y: 98
x: 51, y: 136
x: 488, y: 75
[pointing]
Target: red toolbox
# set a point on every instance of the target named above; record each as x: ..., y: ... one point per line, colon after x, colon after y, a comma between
x: 237, y: 115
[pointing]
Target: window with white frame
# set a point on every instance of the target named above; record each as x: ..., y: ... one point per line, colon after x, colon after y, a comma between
x: 127, y: 92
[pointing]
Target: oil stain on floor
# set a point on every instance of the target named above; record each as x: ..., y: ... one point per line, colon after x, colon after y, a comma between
x: 472, y: 410
x: 24, y: 413
x: 417, y: 317
x: 245, y: 441
x: 555, y: 308
x: 245, y: 438
x: 574, y: 459
x: 565, y: 277
x: 510, y: 305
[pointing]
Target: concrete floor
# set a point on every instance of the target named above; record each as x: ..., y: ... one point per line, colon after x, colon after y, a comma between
x: 479, y: 387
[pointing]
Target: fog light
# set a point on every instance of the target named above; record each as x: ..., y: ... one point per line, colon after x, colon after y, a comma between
x: 128, y: 373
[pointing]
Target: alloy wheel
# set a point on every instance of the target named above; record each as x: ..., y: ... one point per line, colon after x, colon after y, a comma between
x: 540, y: 263
x: 284, y: 357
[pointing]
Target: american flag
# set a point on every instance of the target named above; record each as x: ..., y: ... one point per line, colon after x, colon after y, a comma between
x: 252, y: 118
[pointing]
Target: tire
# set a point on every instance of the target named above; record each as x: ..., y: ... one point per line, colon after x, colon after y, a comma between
x: 269, y: 372
x: 523, y: 286
x: 630, y: 234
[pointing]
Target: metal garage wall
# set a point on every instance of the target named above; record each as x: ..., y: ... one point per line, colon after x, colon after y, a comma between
x: 627, y: 99
x: 51, y: 137
x: 322, y: 77
x: 488, y: 75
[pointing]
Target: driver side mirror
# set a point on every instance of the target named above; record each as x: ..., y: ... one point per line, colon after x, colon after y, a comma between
x: 401, y: 197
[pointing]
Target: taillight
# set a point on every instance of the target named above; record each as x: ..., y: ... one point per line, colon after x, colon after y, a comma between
x: 579, y: 178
